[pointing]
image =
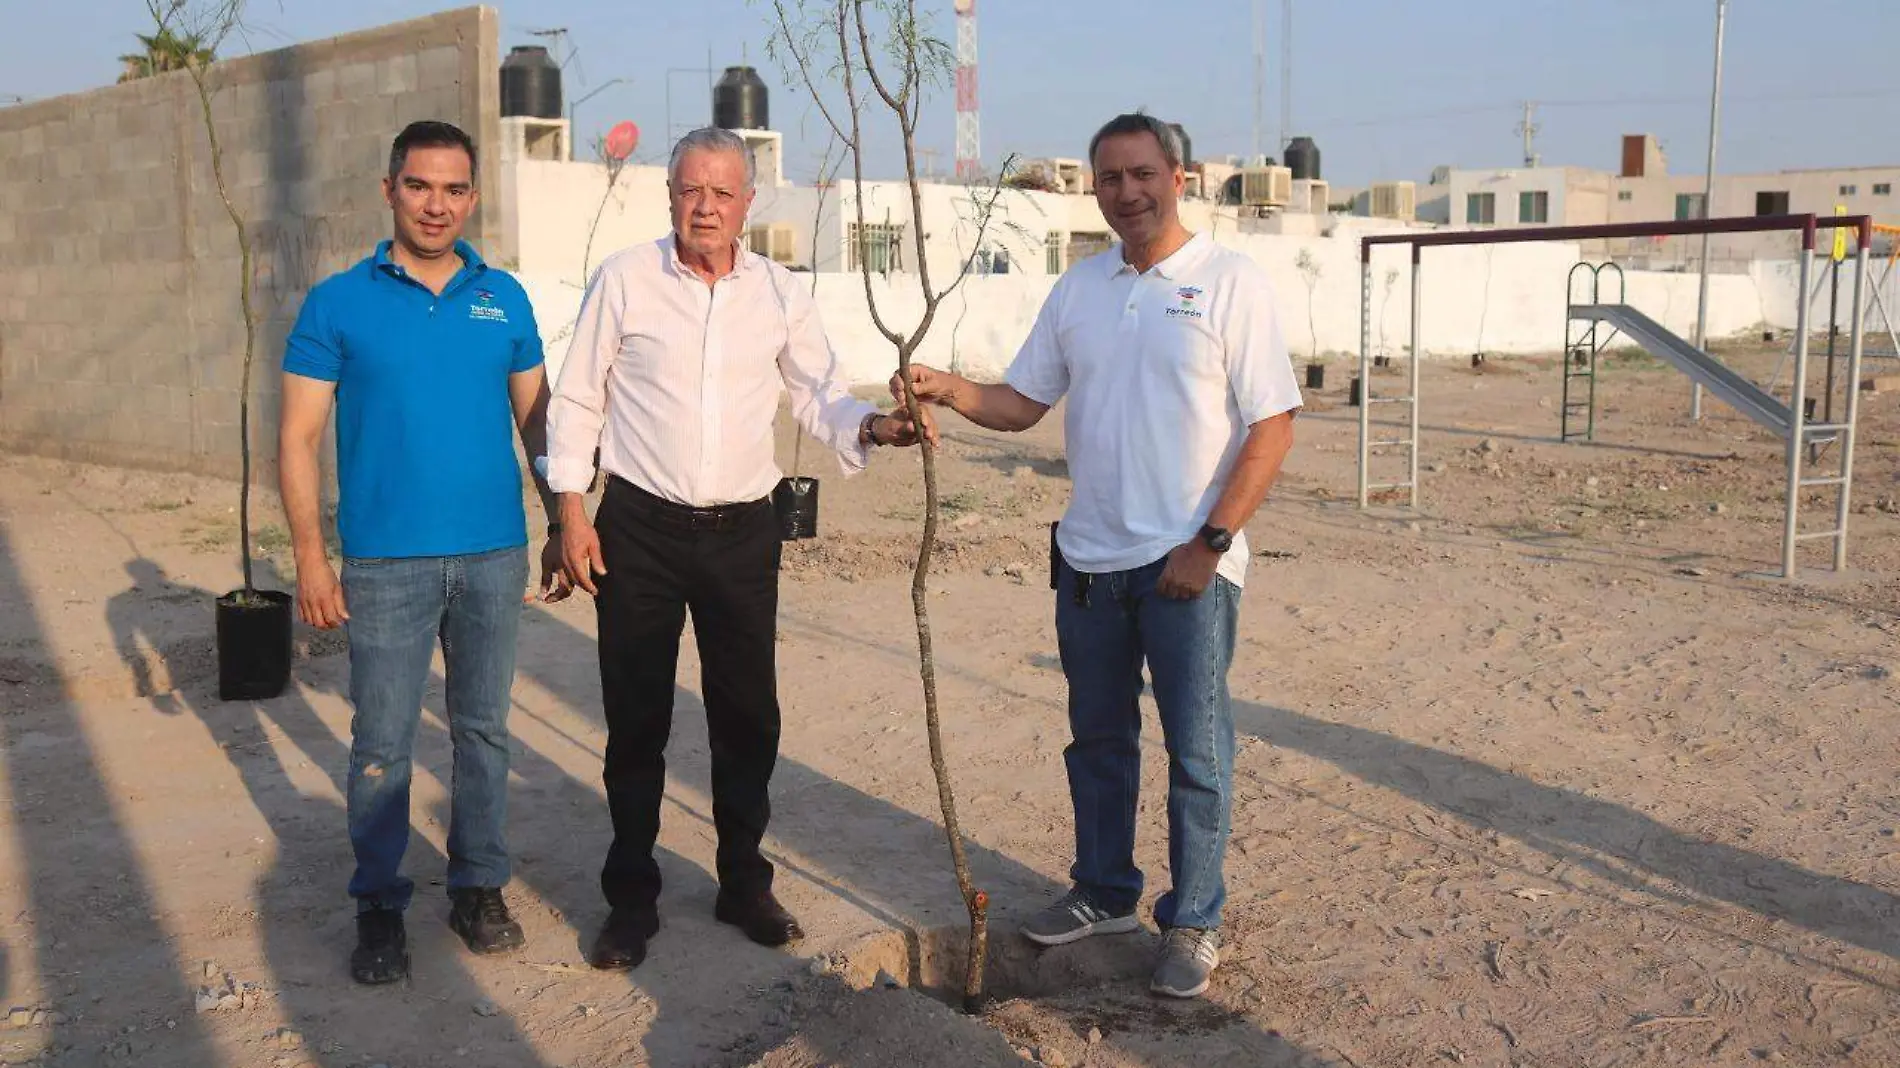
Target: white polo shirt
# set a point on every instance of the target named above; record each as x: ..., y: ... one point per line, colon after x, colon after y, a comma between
x: 1165, y: 372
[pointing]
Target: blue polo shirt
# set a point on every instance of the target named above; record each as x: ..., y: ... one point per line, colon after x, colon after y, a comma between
x: 426, y: 463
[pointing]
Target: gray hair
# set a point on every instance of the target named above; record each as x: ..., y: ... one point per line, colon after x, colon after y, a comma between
x: 1141, y: 122
x: 713, y: 139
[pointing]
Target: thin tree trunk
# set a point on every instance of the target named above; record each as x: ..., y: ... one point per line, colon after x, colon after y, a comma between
x: 975, y: 901
x: 197, y: 71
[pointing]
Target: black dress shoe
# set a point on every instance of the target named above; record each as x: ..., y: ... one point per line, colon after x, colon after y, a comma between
x: 622, y: 942
x: 760, y: 916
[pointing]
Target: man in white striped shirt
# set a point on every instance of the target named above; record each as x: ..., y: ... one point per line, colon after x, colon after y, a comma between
x: 674, y: 373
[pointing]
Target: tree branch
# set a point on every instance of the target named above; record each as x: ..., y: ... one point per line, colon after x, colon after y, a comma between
x: 804, y: 71
x: 870, y: 65
x: 857, y: 173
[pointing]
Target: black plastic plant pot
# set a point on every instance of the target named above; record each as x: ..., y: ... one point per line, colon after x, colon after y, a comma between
x: 796, y: 501
x: 1315, y: 376
x: 253, y: 644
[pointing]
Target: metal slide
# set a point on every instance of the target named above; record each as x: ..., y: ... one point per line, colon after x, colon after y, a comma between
x: 1733, y: 389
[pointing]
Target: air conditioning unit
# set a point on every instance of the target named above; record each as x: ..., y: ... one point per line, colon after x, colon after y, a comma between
x: 777, y: 242
x: 1266, y: 187
x: 1395, y: 200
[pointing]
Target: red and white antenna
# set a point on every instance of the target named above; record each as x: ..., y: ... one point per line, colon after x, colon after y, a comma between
x: 969, y: 135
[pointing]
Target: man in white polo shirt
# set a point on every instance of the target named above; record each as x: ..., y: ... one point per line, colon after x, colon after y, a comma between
x: 1180, y: 410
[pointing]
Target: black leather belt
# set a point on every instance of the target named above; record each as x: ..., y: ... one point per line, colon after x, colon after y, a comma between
x: 687, y: 517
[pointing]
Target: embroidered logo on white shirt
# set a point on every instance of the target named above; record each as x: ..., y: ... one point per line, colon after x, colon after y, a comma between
x: 1188, y: 303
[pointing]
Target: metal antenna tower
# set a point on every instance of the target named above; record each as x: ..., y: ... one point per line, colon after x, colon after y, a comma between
x: 969, y: 133
x: 1529, y: 129
x: 564, y: 50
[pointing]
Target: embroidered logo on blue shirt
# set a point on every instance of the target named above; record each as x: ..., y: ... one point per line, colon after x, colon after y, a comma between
x: 486, y: 308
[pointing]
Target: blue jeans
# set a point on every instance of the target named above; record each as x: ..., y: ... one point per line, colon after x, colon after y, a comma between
x: 399, y: 609
x: 1107, y: 626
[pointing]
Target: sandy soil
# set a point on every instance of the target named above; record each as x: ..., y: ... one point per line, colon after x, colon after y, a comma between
x: 1541, y: 775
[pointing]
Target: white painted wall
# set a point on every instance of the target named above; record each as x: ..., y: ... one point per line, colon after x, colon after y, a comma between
x: 1522, y: 312
x: 555, y: 204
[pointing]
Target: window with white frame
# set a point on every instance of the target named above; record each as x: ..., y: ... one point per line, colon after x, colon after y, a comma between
x: 1052, y: 253
x: 1850, y: 190
x: 881, y: 245
x: 1481, y: 209
x: 1533, y: 206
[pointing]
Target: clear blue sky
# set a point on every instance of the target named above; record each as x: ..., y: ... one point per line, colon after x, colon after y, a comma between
x: 1388, y: 88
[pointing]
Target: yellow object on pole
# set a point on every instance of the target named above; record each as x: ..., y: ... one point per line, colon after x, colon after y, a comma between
x: 1840, y: 235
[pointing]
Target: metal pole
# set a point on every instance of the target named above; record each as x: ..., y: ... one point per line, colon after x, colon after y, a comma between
x: 1365, y: 370
x: 1259, y: 70
x: 1417, y: 355
x: 1833, y: 316
x: 1286, y: 76
x: 1797, y: 422
x: 1708, y: 198
x: 1854, y: 347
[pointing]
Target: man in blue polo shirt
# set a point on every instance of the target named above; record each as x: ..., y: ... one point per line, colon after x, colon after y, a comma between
x: 433, y: 362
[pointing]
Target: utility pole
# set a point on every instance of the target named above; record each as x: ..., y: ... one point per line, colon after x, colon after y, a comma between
x: 1529, y: 129
x: 1259, y: 71
x: 1286, y: 76
x: 1708, y: 196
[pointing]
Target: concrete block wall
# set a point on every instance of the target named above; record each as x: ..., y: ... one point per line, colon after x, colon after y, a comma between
x: 121, y: 336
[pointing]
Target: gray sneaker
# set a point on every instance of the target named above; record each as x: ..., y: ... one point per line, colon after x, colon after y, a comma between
x: 1189, y: 956
x: 1074, y: 918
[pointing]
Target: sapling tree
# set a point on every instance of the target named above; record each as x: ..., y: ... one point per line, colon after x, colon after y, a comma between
x: 1309, y: 268
x: 208, y: 24
x: 874, y: 60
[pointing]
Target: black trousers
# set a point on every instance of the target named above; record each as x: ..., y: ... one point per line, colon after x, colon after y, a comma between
x: 664, y: 559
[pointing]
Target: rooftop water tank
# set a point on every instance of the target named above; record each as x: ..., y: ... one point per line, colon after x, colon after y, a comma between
x: 739, y: 101
x: 1302, y: 155
x: 530, y: 83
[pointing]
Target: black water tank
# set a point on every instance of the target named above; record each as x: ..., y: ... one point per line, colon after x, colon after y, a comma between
x: 1187, y: 146
x: 1230, y: 190
x: 739, y: 101
x: 1302, y: 155
x: 530, y: 83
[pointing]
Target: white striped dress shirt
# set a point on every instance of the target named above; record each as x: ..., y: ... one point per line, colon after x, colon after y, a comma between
x: 678, y: 381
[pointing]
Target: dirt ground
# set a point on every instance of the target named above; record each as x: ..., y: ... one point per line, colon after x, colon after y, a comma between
x: 1543, y: 774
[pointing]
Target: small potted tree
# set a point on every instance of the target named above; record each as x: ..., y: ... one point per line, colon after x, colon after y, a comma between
x: 253, y: 625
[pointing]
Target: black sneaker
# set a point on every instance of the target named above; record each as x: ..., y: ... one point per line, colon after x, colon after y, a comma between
x: 382, y: 949
x: 481, y: 917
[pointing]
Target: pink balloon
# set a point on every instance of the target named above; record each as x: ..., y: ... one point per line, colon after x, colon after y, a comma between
x: 621, y: 140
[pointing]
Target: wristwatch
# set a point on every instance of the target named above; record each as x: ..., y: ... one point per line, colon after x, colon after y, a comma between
x: 866, y: 434
x: 1217, y: 539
